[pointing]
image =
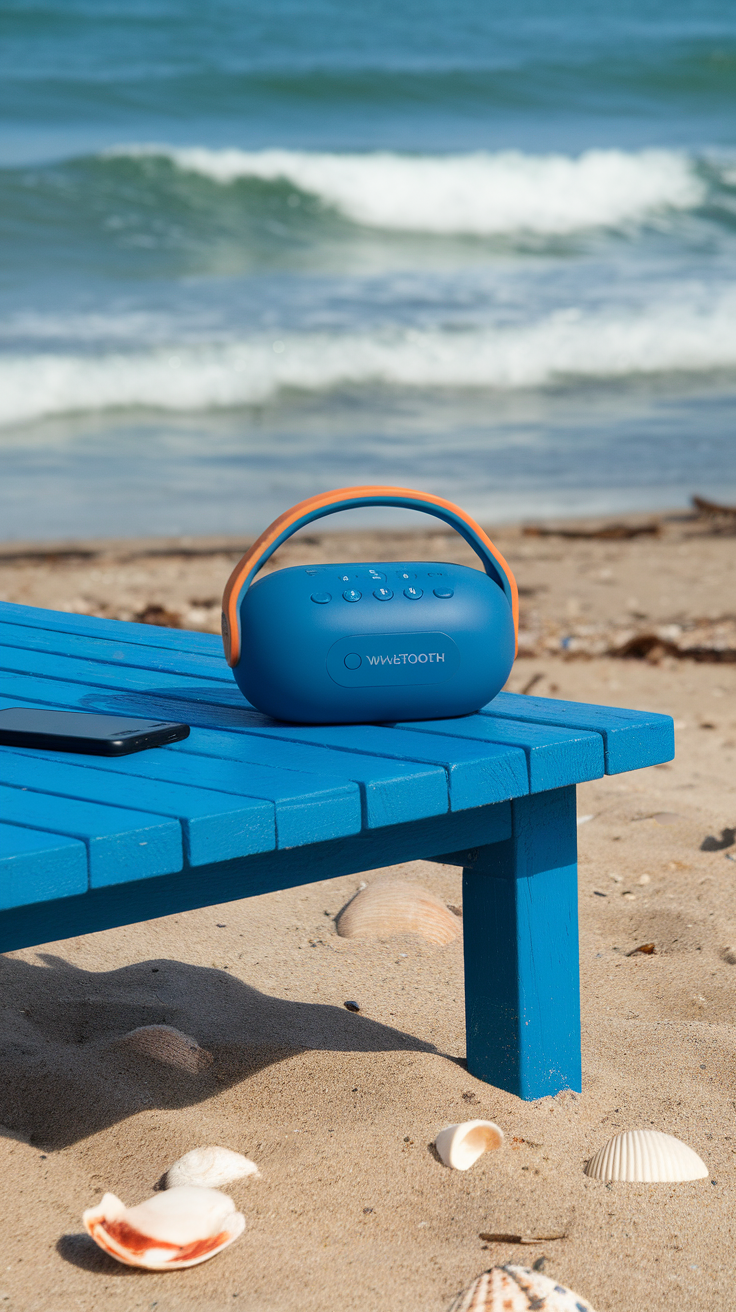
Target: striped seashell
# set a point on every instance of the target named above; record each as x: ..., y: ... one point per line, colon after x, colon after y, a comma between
x: 647, y: 1156
x: 515, y: 1289
x: 461, y: 1145
x: 394, y: 906
x: 209, y: 1168
x: 165, y: 1044
x: 178, y: 1228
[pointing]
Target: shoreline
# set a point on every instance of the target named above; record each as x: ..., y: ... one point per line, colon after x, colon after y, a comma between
x: 588, y: 587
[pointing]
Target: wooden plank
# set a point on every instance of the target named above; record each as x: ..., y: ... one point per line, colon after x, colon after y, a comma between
x: 631, y: 739
x: 215, y: 827
x: 386, y: 791
x: 41, y: 690
x: 308, y: 808
x: 232, y: 880
x: 147, y: 635
x: 35, y: 867
x: 555, y: 757
x: 522, y: 990
x: 121, y: 844
x: 392, y: 791
x: 125, y: 654
x: 98, y: 673
x: 477, y: 773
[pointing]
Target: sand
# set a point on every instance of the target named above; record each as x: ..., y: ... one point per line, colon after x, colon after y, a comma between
x: 339, y: 1110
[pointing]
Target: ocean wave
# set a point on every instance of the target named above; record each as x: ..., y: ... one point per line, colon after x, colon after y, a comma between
x: 561, y: 348
x: 480, y: 194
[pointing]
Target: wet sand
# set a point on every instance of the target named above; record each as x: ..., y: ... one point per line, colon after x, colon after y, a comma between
x: 339, y: 1110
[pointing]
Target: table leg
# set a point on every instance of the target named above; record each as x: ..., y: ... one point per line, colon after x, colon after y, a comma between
x: 520, y: 916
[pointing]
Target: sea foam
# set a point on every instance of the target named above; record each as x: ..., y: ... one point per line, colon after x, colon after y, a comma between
x: 565, y: 346
x: 479, y: 194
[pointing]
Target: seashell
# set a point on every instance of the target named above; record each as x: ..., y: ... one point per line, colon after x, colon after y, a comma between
x: 394, y: 906
x: 645, y: 1155
x: 181, y: 1227
x: 208, y: 1168
x: 515, y: 1289
x: 165, y: 1044
x: 461, y: 1145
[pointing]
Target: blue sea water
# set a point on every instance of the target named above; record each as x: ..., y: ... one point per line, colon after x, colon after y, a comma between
x: 251, y: 250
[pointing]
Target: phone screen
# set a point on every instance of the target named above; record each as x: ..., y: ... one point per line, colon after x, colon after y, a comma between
x: 79, y: 731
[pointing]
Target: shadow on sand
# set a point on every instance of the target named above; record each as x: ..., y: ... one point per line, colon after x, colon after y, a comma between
x: 65, y: 1076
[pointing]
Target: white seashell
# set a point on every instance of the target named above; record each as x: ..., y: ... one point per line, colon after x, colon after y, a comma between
x: 461, y: 1145
x: 181, y: 1227
x: 209, y: 1168
x: 645, y: 1155
x: 515, y: 1289
x: 165, y: 1044
x: 394, y: 906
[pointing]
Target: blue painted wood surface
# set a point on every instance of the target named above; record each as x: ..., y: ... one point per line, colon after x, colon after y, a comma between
x: 477, y: 773
x: 631, y: 739
x: 246, y: 805
x: 146, y: 635
x: 555, y: 757
x: 216, y: 827
x: 520, y: 918
x: 122, y: 844
x: 226, y: 881
x: 165, y: 659
x: 37, y: 866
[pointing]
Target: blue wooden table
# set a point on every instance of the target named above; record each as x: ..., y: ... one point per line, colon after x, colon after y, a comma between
x: 246, y: 805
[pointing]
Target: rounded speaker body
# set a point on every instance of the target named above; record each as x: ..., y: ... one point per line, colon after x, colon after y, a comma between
x: 341, y: 644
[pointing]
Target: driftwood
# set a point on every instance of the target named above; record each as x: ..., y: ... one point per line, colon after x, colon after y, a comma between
x: 712, y: 509
x: 606, y: 532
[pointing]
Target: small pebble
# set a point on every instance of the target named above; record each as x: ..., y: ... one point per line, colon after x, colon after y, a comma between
x: 644, y: 879
x: 352, y: 1006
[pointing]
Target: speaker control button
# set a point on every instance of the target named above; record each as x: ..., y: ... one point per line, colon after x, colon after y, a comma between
x: 321, y: 598
x: 444, y: 592
x: 383, y: 594
x: 352, y: 594
x: 413, y: 593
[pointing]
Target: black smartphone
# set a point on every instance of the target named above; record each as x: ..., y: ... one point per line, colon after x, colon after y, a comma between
x: 78, y: 731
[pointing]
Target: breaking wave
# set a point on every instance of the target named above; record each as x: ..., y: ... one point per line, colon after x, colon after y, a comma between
x: 564, y: 346
x: 478, y: 194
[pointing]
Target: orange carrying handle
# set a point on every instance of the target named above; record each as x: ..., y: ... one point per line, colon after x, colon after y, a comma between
x: 346, y: 498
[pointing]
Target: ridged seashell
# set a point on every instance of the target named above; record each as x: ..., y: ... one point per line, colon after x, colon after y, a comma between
x: 164, y: 1043
x: 461, y: 1145
x: 180, y: 1227
x: 208, y: 1168
x: 645, y: 1155
x: 515, y: 1289
x: 394, y: 906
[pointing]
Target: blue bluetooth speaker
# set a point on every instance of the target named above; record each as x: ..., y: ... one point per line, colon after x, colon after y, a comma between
x: 349, y: 644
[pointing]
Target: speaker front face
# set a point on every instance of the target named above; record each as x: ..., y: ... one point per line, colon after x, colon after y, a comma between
x: 361, y: 643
